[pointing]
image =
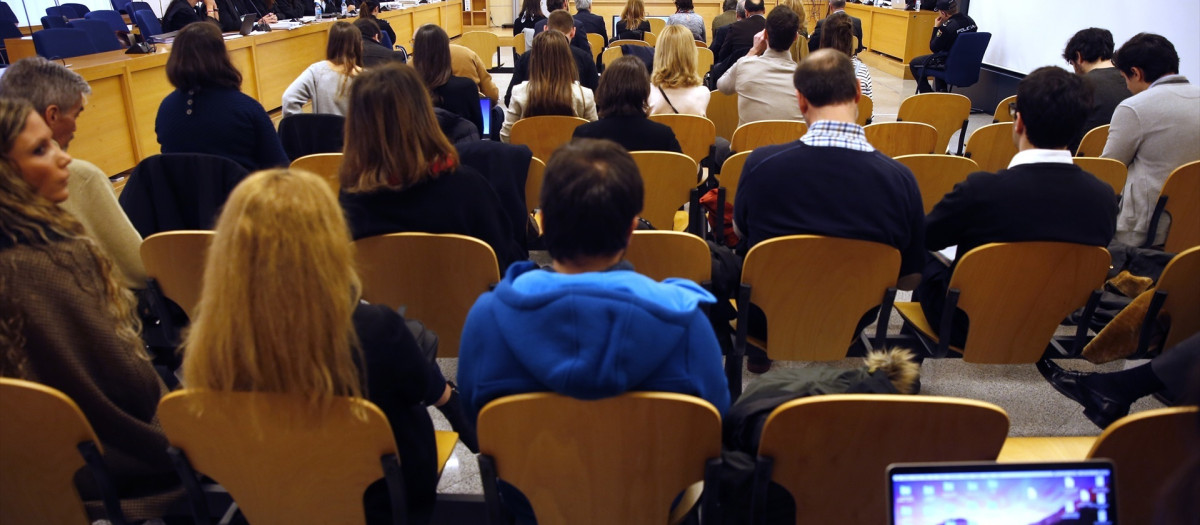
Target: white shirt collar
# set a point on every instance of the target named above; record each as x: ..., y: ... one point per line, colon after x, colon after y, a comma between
x: 1033, y: 156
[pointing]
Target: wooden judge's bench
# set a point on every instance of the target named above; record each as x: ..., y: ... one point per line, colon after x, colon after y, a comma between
x: 893, y: 37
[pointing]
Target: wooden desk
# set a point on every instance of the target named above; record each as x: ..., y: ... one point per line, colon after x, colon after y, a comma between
x: 901, y: 35
x: 116, y: 130
x: 1024, y: 449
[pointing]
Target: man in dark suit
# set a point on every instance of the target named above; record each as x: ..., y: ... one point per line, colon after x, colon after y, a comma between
x: 374, y: 52
x: 578, y: 38
x: 835, y: 6
x: 562, y: 22
x: 592, y: 23
x: 740, y: 37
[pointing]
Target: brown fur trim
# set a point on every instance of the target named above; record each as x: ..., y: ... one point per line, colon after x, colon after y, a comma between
x: 1119, y: 338
x: 1130, y: 285
x: 899, y: 364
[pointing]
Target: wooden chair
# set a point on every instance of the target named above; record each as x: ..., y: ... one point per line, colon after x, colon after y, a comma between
x: 596, y: 42
x: 175, y: 262
x: 937, y: 174
x: 731, y: 173
x: 1001, y: 114
x: 267, y: 449
x: 1175, y: 293
x: 612, y: 53
x: 545, y: 133
x: 948, y: 112
x: 617, y: 460
x: 518, y: 44
x: 843, y: 443
x: 991, y: 146
x: 327, y: 165
x: 1016, y: 295
x: 668, y: 178
x: 436, y: 276
x: 660, y: 254
x: 1112, y: 171
x: 696, y: 134
x: 702, y: 44
x: 723, y: 112
x: 1146, y: 448
x: 1178, y: 199
x: 533, y: 184
x: 902, y: 138
x: 627, y: 42
x: 44, y: 440
x: 1093, y: 142
x: 813, y: 290
x: 704, y: 59
x: 486, y: 44
x: 657, y: 25
x: 866, y: 108
x: 765, y: 133
x: 651, y: 37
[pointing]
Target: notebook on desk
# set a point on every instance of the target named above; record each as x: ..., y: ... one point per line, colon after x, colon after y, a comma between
x: 987, y: 493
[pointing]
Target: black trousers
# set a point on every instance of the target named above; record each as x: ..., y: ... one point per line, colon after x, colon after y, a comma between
x: 922, y: 64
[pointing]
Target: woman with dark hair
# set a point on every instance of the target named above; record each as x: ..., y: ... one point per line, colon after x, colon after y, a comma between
x: 837, y: 32
x: 633, y: 24
x: 431, y: 59
x: 685, y: 15
x: 531, y: 13
x: 370, y: 8
x: 401, y: 174
x: 621, y: 101
x: 553, y: 86
x: 327, y: 83
x: 180, y: 13
x: 207, y: 112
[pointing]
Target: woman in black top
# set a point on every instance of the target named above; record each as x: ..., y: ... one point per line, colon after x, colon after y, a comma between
x: 370, y: 8
x: 633, y: 24
x: 621, y: 102
x: 180, y: 13
x: 531, y: 13
x: 431, y: 58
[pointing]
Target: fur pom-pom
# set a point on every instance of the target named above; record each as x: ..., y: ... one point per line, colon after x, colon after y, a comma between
x: 900, y: 365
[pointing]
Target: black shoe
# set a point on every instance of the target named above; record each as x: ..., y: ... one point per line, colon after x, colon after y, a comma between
x: 757, y: 361
x: 1099, y: 408
x: 454, y: 414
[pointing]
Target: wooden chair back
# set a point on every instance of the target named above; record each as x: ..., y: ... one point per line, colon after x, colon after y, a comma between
x: 612, y: 53
x: 533, y: 183
x: 866, y: 108
x: 809, y: 318
x: 843, y: 443
x: 1016, y: 295
x: 617, y: 460
x: 947, y: 112
x: 668, y: 178
x: 1112, y: 171
x: 657, y: 25
x: 596, y: 42
x: 765, y: 133
x: 1182, y: 193
x: 1001, y: 114
x: 937, y: 174
x: 518, y: 44
x: 486, y: 44
x: 175, y: 259
x: 544, y: 134
x: 1093, y: 142
x: 731, y: 173
x: 659, y: 254
x: 701, y: 43
x: 991, y: 146
x: 626, y: 42
x: 651, y: 37
x: 1181, y: 281
x: 704, y: 58
x: 723, y: 112
x: 265, y: 449
x: 436, y: 276
x: 1146, y: 448
x: 696, y: 134
x: 327, y: 165
x: 38, y: 455
x: 902, y: 138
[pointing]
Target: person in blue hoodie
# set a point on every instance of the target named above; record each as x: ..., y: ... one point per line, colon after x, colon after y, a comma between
x: 589, y: 326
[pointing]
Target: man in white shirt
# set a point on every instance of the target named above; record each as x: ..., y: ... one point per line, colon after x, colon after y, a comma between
x: 763, y: 78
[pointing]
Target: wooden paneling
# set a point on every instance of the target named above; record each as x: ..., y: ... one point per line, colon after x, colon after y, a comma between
x: 106, y: 120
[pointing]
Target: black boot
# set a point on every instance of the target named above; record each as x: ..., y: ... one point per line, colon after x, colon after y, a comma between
x: 453, y: 411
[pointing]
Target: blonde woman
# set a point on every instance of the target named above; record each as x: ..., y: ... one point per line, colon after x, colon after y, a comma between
x: 633, y: 24
x: 553, y: 87
x: 327, y: 83
x: 677, y: 86
x: 798, y: 7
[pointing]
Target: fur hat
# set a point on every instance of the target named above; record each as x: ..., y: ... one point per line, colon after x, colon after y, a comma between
x: 899, y: 364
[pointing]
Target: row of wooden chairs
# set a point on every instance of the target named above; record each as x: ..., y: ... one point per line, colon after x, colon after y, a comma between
x: 1093, y: 141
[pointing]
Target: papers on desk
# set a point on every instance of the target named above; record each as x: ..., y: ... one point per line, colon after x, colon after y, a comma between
x: 284, y: 25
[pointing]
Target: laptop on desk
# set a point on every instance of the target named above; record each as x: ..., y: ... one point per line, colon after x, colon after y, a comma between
x: 248, y: 24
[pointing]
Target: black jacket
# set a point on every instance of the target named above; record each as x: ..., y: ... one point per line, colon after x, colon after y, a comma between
x: 740, y: 37
x: 592, y: 23
x: 814, y: 40
x: 943, y: 37
x: 636, y: 133
x: 376, y: 54
x: 460, y: 96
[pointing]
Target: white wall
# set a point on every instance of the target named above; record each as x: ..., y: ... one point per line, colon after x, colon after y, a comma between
x: 37, y: 8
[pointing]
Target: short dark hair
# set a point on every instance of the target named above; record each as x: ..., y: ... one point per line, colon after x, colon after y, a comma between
x: 591, y: 193
x: 826, y: 77
x: 755, y: 6
x: 199, y: 59
x: 1092, y: 45
x: 1053, y: 104
x: 684, y: 5
x: 837, y: 4
x: 782, y: 27
x: 555, y: 5
x: 624, y: 88
x: 367, y: 27
x: 1151, y: 53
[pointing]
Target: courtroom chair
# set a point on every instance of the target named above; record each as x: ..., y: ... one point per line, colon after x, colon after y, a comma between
x: 628, y: 42
x: 1002, y: 114
x: 437, y: 277
x: 1112, y: 171
x: 544, y: 134
x: 484, y: 43
x: 54, y: 22
x: 704, y: 59
x: 731, y: 173
x: 178, y: 191
x: 622, y: 459
x: 841, y: 444
x: 121, y: 6
x: 327, y: 165
x: 7, y: 15
x: 102, y: 36
x: 7, y: 31
x: 947, y: 112
x: 62, y: 43
x: 596, y: 42
x: 903, y: 138
x: 702, y: 44
x: 866, y: 108
x: 723, y: 112
x: 62, y: 11
x: 813, y: 290
x: 112, y: 18
x: 660, y: 254
x: 1178, y: 200
x: 696, y: 134
x: 668, y: 178
x: 937, y: 174
x: 1093, y: 142
x: 992, y: 147
x: 1146, y: 448
x: 175, y: 261
x: 139, y: 6
x: 44, y: 440
x: 147, y: 23
x: 281, y: 461
x: 307, y: 133
x: 533, y: 184
x: 964, y: 62
x: 611, y: 53
x: 650, y: 37
x: 518, y: 45
x: 657, y: 25
x: 765, y: 133
x: 1016, y: 295
x: 1175, y: 295
x: 80, y: 9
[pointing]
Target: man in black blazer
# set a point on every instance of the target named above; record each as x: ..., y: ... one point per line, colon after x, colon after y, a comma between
x: 578, y: 38
x: 814, y: 40
x: 592, y: 23
x: 375, y: 53
x: 740, y: 38
x: 562, y: 22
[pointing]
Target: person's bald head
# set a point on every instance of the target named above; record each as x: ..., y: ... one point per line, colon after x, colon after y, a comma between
x: 561, y: 21
x: 826, y: 78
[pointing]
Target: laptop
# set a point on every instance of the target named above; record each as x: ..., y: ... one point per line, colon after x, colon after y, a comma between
x: 248, y: 24
x: 987, y: 493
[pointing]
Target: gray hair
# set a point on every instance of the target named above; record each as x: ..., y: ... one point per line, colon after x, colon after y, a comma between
x: 583, y: 4
x: 741, y: 9
x: 43, y: 83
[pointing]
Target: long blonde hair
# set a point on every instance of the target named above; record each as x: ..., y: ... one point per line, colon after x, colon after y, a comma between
x: 278, y: 296
x: 675, y: 59
x: 634, y: 14
x: 552, y: 75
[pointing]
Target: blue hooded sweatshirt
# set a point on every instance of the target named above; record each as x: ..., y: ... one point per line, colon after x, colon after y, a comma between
x: 589, y: 336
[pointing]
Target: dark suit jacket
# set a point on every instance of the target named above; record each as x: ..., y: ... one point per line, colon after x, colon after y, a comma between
x: 579, y: 41
x: 289, y: 9
x: 592, y: 23
x: 588, y: 77
x: 740, y: 38
x: 376, y: 54
x: 632, y: 133
x: 814, y: 40
x: 460, y: 96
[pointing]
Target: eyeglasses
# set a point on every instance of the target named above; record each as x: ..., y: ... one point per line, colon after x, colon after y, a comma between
x: 1012, y: 110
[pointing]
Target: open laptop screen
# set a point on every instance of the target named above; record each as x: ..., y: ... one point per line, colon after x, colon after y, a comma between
x: 989, y: 493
